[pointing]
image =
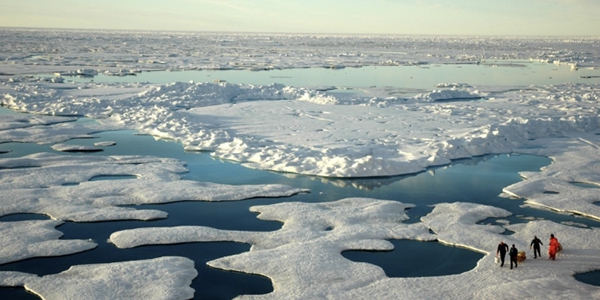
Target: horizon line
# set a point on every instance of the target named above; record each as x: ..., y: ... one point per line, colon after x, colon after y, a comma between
x: 294, y: 33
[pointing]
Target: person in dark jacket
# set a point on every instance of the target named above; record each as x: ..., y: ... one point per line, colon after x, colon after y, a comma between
x: 536, y: 247
x: 501, y: 251
x: 513, y: 256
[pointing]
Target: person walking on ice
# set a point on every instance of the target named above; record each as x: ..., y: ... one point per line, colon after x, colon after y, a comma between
x: 513, y: 256
x: 535, y: 243
x: 502, y: 249
x: 553, y: 247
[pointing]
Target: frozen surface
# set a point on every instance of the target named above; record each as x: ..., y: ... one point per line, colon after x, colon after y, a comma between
x: 299, y: 130
x: 105, y: 144
x: 160, y: 278
x: 27, y: 239
x: 73, y: 51
x: 304, y: 262
x: 310, y: 132
x: 11, y: 278
x: 75, y: 148
x: 57, y: 131
x: 571, y: 184
x: 315, y: 133
x: 24, y: 121
x: 59, y: 186
x: 27, y: 128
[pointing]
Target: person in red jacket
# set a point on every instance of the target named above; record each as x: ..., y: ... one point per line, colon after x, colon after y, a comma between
x: 553, y: 247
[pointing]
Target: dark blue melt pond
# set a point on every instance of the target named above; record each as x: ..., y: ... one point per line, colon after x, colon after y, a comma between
x: 418, y: 259
x: 592, y: 278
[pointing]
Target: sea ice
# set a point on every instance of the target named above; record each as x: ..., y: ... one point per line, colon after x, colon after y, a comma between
x: 165, y: 278
x: 55, y: 133
x: 27, y: 239
x: 75, y: 148
x: 24, y: 121
x: 303, y: 258
x: 347, y: 136
x: 105, y: 144
x: 25, y: 50
x: 13, y: 278
x: 298, y: 130
x: 59, y: 186
x: 575, y: 160
x: 456, y: 224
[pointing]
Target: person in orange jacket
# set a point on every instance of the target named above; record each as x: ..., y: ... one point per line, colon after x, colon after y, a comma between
x: 553, y: 247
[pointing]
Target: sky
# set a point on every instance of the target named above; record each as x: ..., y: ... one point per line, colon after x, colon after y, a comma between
x: 430, y: 17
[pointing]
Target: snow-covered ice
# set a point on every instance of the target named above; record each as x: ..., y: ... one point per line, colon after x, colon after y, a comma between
x: 160, y: 278
x: 571, y: 183
x: 27, y: 239
x: 304, y: 261
x: 60, y: 186
x: 75, y: 148
x: 303, y: 258
x: 302, y: 130
x: 313, y: 133
x: 49, y: 51
x: 105, y: 144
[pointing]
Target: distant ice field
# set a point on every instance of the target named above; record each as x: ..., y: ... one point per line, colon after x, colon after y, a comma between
x: 394, y: 80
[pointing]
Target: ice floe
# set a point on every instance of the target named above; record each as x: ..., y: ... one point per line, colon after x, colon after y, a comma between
x: 25, y: 121
x: 56, y: 132
x: 75, y: 148
x: 303, y: 259
x: 27, y: 239
x: 306, y: 251
x: 105, y: 144
x: 165, y: 278
x: 571, y: 183
x: 60, y: 186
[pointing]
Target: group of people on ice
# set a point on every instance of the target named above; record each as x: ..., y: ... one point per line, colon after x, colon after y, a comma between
x: 516, y: 256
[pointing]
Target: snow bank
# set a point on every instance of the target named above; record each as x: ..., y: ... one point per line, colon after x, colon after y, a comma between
x: 449, y: 95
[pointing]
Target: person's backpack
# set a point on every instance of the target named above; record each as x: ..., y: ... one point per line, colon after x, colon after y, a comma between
x: 513, y: 252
